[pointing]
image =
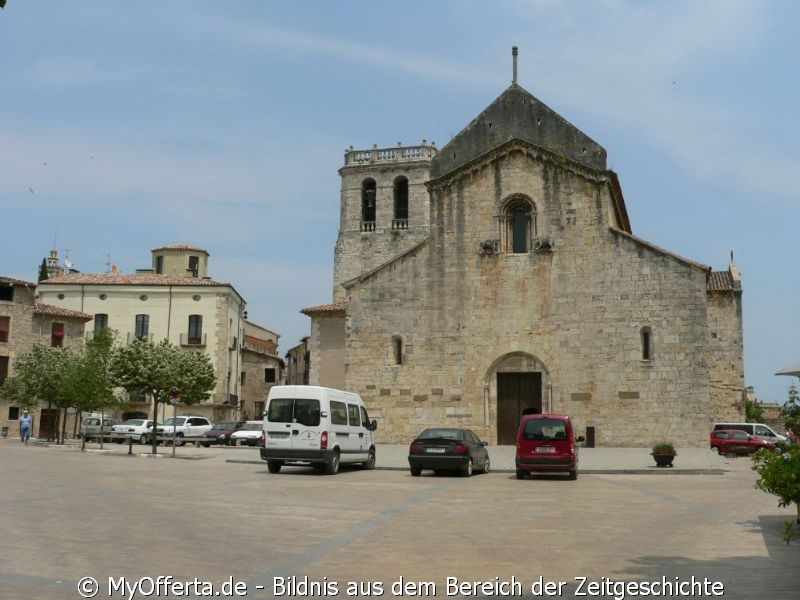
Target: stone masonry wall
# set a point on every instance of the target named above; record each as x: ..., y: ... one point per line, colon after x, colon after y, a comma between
x: 356, y: 251
x: 576, y: 313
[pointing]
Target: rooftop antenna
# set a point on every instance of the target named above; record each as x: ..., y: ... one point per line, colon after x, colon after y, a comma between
x: 514, y: 53
x: 108, y: 263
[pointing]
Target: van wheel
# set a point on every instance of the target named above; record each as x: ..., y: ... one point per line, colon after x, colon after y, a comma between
x: 370, y: 463
x: 466, y: 471
x: 333, y: 467
x: 274, y: 466
x: 520, y: 474
x: 573, y: 475
x: 416, y: 470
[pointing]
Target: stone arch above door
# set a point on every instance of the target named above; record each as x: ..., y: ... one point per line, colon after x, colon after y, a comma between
x: 515, y: 383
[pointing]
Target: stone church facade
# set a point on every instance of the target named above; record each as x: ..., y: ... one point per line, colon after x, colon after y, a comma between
x: 501, y: 274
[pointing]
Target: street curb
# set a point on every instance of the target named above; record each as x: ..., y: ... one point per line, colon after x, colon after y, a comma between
x: 651, y: 471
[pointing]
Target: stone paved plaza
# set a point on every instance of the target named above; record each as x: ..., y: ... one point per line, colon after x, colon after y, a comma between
x: 126, y: 520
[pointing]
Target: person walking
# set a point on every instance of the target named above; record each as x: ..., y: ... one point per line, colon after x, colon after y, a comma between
x: 25, y: 427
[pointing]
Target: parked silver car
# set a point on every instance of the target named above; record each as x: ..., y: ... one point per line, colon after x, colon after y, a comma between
x: 91, y: 428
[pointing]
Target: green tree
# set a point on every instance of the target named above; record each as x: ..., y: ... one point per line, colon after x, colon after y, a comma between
x: 790, y: 411
x: 753, y: 411
x: 43, y: 270
x: 162, y: 370
x: 87, y: 381
x: 40, y: 377
x: 779, y: 474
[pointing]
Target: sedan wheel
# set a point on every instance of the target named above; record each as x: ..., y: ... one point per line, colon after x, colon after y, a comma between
x: 143, y: 439
x: 416, y: 470
x: 466, y: 471
x: 486, y: 465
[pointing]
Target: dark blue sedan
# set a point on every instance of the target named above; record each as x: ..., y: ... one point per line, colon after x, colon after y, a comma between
x: 446, y: 449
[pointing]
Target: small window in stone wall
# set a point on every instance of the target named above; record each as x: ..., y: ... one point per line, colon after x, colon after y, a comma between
x: 269, y: 375
x: 647, y: 343
x: 57, y: 335
x: 5, y: 327
x: 244, y: 378
x: 397, y: 349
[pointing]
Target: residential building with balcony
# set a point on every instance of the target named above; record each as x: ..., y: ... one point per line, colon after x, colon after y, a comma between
x: 173, y: 300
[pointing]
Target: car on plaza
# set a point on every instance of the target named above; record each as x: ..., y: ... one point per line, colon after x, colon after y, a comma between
x: 137, y: 429
x: 91, y: 428
x: 220, y: 433
x: 248, y: 435
x: 448, y: 449
x: 182, y: 427
x: 736, y: 441
x: 545, y: 444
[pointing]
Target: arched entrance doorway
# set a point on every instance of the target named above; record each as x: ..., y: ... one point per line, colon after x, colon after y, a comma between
x: 517, y: 382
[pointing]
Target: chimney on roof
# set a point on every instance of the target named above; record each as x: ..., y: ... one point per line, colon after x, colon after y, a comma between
x: 514, y: 53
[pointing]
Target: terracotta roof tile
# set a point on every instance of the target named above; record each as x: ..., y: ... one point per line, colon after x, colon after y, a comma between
x: 12, y: 281
x: 184, y: 247
x: 151, y: 279
x: 56, y: 311
x: 336, y: 307
x: 722, y: 281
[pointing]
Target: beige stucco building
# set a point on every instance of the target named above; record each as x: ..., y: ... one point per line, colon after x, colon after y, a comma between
x: 501, y: 274
x: 174, y: 299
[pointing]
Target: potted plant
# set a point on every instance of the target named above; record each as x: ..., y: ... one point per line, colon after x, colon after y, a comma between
x: 663, y: 453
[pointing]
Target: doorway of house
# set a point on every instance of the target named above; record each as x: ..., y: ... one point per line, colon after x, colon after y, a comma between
x: 516, y: 392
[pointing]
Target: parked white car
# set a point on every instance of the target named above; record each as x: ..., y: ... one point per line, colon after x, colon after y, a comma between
x: 138, y: 429
x: 248, y: 435
x: 183, y: 426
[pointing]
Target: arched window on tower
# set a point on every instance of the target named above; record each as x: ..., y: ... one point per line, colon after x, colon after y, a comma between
x: 400, y: 219
x: 368, y: 202
x: 518, y: 225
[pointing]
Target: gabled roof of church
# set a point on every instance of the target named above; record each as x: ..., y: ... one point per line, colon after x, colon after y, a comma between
x: 517, y: 114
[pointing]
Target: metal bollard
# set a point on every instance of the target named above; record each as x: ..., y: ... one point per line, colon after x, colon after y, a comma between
x: 130, y: 445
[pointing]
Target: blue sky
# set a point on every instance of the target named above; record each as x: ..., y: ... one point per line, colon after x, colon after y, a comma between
x: 128, y: 126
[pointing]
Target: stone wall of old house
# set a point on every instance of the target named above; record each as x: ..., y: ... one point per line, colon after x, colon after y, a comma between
x: 26, y: 328
x: 327, y: 352
x: 726, y: 355
x: 574, y: 311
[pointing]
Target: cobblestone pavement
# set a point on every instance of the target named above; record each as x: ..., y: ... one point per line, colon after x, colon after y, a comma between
x: 232, y: 529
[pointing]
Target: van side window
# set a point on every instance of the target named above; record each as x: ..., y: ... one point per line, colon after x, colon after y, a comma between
x: 338, y: 413
x: 280, y: 410
x: 352, y: 415
x: 364, y: 418
x: 306, y: 412
x: 761, y: 430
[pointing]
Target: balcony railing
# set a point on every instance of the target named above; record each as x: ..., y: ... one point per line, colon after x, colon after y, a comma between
x: 383, y: 155
x: 399, y: 223
x: 368, y: 226
x: 186, y: 340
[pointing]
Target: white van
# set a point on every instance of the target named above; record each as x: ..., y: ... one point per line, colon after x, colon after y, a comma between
x: 759, y: 430
x: 317, y: 426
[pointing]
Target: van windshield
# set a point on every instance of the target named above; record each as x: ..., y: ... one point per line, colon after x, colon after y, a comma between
x: 545, y: 430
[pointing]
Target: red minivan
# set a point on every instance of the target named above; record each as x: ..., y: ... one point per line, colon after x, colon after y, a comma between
x: 546, y: 443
